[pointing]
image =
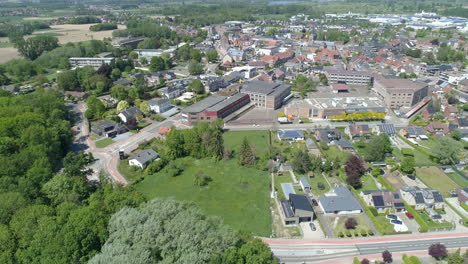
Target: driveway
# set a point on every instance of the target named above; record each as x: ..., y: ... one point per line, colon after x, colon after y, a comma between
x: 307, y: 232
x: 410, y: 223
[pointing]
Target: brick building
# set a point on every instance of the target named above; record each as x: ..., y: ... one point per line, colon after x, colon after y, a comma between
x: 213, y: 107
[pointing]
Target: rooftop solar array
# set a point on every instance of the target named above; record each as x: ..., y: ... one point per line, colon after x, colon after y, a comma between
x: 437, y: 197
x: 378, y: 201
x: 287, y: 209
x: 419, y: 198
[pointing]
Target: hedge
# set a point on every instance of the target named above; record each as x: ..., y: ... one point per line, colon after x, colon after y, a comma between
x: 423, y: 226
x: 465, y: 206
x: 407, y: 152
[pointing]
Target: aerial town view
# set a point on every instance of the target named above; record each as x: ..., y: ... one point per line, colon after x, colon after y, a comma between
x: 234, y: 132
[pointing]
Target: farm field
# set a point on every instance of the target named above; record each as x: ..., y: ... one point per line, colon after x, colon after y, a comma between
x: 64, y: 33
x: 436, y: 179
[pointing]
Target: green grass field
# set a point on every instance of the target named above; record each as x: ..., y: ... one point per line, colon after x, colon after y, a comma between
x: 385, y: 224
x: 368, y: 183
x: 239, y: 195
x: 332, y: 152
x: 458, y: 179
x: 436, y: 179
x: 131, y: 173
x: 6, y: 44
x: 259, y: 139
x: 104, y: 142
x: 340, y: 226
x: 318, y: 178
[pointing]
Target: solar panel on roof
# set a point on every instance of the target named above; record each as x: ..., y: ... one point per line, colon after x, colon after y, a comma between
x: 410, y: 130
x: 287, y: 209
x: 420, y: 130
x: 396, y: 195
x: 378, y: 201
x: 437, y: 197
x: 419, y: 198
x: 398, y: 205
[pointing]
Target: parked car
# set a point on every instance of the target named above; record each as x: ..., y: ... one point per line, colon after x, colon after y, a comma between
x: 312, y: 227
x: 409, y: 215
x: 437, y: 217
x: 396, y: 222
x: 314, y: 202
x: 392, y: 217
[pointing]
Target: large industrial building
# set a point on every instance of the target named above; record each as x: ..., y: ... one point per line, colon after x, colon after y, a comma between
x: 269, y: 95
x: 348, y: 77
x: 213, y: 107
x: 398, y: 92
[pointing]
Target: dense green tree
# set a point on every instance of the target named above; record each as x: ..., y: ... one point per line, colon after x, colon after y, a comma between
x: 301, y: 162
x: 448, y: 150
x: 149, y: 43
x: 197, y: 86
x: 119, y: 92
x: 407, y: 165
x: 253, y: 251
x: 165, y: 231
x: 303, y: 85
x: 212, y: 55
x: 122, y: 105
x: 32, y: 48
x: 95, y: 108
x: 84, y: 75
x: 67, y: 81
x: 145, y: 107
x: 157, y: 64
x: 457, y: 135
x: 195, y: 68
x: 116, y: 73
x: 377, y: 147
x: 9, y: 203
x: 246, y: 153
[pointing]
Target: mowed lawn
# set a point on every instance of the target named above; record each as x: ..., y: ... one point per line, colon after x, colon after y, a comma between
x: 239, y: 195
x: 436, y: 179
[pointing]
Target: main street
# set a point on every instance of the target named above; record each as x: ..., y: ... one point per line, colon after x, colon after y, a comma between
x: 335, y: 251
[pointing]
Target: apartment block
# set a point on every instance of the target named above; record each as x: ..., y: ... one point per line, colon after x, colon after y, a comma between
x: 397, y: 92
x: 269, y: 95
x: 348, y: 77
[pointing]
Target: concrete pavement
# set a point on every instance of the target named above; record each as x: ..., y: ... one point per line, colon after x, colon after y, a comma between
x: 306, y: 251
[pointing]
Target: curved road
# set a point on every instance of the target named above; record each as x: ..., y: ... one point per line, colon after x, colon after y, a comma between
x: 338, y: 251
x: 107, y: 158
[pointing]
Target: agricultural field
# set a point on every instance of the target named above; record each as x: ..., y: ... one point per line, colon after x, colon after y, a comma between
x: 64, y: 33
x: 434, y: 178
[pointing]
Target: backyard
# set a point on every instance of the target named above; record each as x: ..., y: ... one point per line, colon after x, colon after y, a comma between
x: 245, y: 191
x: 434, y: 178
x: 333, y: 152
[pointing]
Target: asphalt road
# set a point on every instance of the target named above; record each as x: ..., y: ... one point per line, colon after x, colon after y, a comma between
x: 307, y: 252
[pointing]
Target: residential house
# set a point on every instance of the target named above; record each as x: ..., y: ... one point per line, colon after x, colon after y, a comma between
x: 388, y: 129
x: 413, y: 132
x: 123, y: 82
x: 421, y: 199
x: 428, y: 112
x: 327, y: 134
x: 143, y: 158
x: 171, y: 92
x: 342, y: 145
x: 159, y: 105
x: 14, y: 89
x: 437, y: 129
x: 383, y: 200
x: 290, y: 135
x: 108, y: 128
x: 130, y: 114
x: 236, y: 54
x: 339, y: 201
x: 356, y: 131
x: 450, y: 112
x: 297, y: 209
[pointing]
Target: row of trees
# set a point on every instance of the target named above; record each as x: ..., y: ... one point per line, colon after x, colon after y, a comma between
x: 367, y: 116
x: 103, y: 26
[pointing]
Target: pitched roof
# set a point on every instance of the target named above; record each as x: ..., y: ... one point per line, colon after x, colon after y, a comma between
x: 131, y: 112
x: 304, y: 182
x: 145, y: 156
x: 388, y: 128
x: 300, y: 202
x: 341, y: 200
x: 290, y: 134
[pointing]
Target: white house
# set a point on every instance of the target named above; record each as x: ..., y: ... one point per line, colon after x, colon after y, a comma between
x: 143, y: 158
x: 159, y: 105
